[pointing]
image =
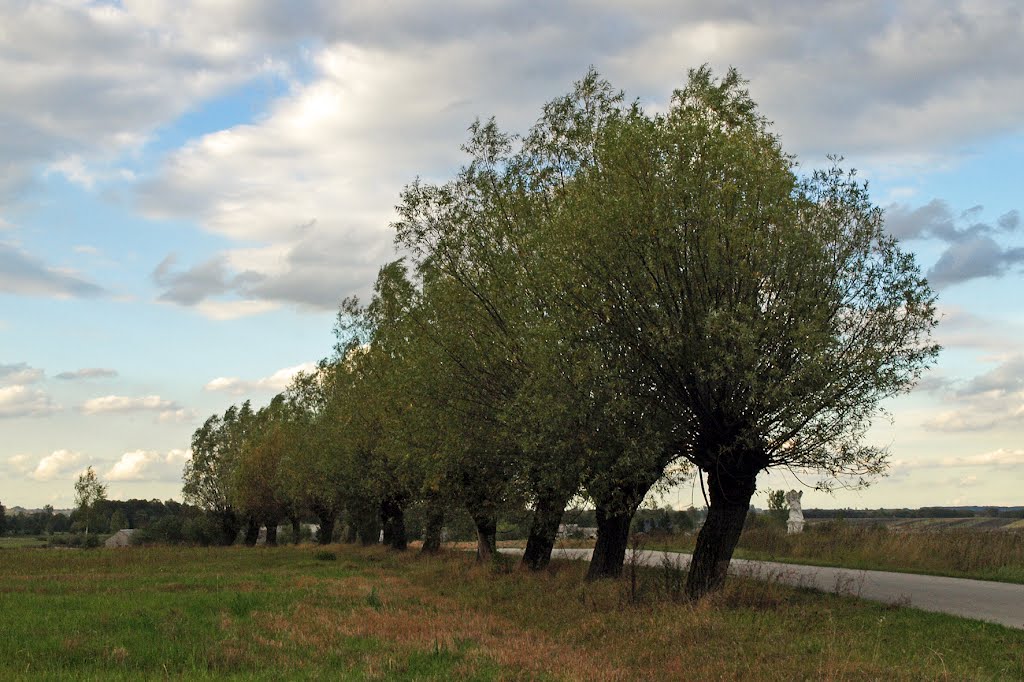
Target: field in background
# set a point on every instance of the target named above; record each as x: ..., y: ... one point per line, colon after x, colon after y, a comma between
x: 373, y: 614
x: 931, y: 548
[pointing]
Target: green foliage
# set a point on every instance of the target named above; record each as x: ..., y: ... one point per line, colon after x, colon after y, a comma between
x: 595, y: 308
x: 778, y: 508
x: 89, y: 491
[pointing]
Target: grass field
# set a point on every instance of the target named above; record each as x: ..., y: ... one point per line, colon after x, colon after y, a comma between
x: 273, y: 613
x: 983, y: 555
x: 19, y: 542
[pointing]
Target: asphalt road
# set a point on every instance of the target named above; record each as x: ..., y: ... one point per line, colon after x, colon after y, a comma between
x: 1001, y: 603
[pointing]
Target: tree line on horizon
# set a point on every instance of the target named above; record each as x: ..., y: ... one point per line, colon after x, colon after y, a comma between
x: 616, y: 300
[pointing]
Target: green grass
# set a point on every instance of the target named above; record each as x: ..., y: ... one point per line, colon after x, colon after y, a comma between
x: 19, y: 542
x: 281, y: 613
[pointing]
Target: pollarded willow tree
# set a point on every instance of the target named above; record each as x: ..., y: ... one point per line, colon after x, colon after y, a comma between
x: 768, y: 313
x: 477, y: 243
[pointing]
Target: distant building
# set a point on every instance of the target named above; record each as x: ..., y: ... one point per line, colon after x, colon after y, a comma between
x: 122, y: 538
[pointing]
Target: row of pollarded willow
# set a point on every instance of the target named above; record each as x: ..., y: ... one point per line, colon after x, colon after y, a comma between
x: 667, y: 287
x: 611, y: 295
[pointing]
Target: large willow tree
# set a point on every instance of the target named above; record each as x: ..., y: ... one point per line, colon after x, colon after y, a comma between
x: 765, y: 310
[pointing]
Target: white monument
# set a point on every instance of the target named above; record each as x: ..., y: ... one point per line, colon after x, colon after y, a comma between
x: 796, y: 514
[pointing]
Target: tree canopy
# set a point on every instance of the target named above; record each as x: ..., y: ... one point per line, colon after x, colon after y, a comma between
x: 608, y: 303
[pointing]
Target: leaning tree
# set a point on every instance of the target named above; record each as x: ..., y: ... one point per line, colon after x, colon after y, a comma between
x: 765, y: 310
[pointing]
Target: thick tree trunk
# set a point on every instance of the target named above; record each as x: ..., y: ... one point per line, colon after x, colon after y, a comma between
x: 252, y: 532
x: 393, y: 514
x: 272, y: 533
x: 486, y: 536
x: 228, y: 522
x: 612, y: 541
x: 547, y: 515
x: 351, y: 534
x: 296, y: 529
x: 433, y: 529
x: 368, y: 528
x: 730, y: 501
x: 326, y: 516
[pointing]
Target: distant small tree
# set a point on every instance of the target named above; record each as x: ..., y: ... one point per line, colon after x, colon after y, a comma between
x: 777, y: 507
x: 3, y: 519
x: 88, y: 491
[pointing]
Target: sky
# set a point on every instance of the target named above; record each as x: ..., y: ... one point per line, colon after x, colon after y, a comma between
x: 188, y: 188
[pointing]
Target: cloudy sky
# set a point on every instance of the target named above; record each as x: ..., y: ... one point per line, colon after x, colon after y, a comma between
x: 189, y: 187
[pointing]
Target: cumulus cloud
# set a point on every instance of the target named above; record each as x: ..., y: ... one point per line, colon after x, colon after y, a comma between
x: 142, y: 465
x: 989, y: 400
x: 373, y: 94
x: 959, y: 328
x: 176, y: 416
x: 19, y: 374
x: 23, y: 274
x: 115, y: 77
x: 119, y: 404
x: 23, y: 401
x: 972, y: 249
x: 57, y: 464
x: 20, y: 464
x: 88, y: 373
x: 276, y: 382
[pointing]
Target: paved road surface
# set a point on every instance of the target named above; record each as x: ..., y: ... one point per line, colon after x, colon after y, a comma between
x: 980, y: 599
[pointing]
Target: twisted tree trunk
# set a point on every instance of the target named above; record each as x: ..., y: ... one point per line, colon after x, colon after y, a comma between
x: 547, y: 515
x: 433, y: 529
x: 392, y: 512
x: 486, y: 535
x: 729, y: 503
x: 252, y: 532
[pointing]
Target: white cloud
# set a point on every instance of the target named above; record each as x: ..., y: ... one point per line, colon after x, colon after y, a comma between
x: 276, y: 382
x: 56, y: 464
x: 178, y: 416
x: 20, y: 464
x: 139, y: 465
x: 86, y: 82
x: 232, y: 310
x: 122, y: 404
x: 88, y: 373
x: 23, y: 401
x: 996, y: 458
x: 19, y: 374
x: 25, y: 275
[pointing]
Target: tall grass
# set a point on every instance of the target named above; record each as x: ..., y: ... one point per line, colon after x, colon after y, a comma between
x: 985, y: 555
x: 280, y: 613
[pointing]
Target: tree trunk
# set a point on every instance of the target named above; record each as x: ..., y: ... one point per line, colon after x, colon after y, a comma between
x: 326, y: 516
x: 730, y: 501
x: 252, y: 532
x: 368, y: 528
x: 547, y: 515
x: 612, y: 540
x: 228, y: 525
x: 351, y: 535
x: 296, y: 529
x: 394, y: 523
x: 486, y: 536
x: 432, y: 532
x: 272, y: 533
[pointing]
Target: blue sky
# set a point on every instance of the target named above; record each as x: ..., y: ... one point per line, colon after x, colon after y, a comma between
x: 188, y: 189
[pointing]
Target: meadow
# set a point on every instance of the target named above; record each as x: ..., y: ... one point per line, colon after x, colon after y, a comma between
x: 350, y: 613
x: 959, y: 553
